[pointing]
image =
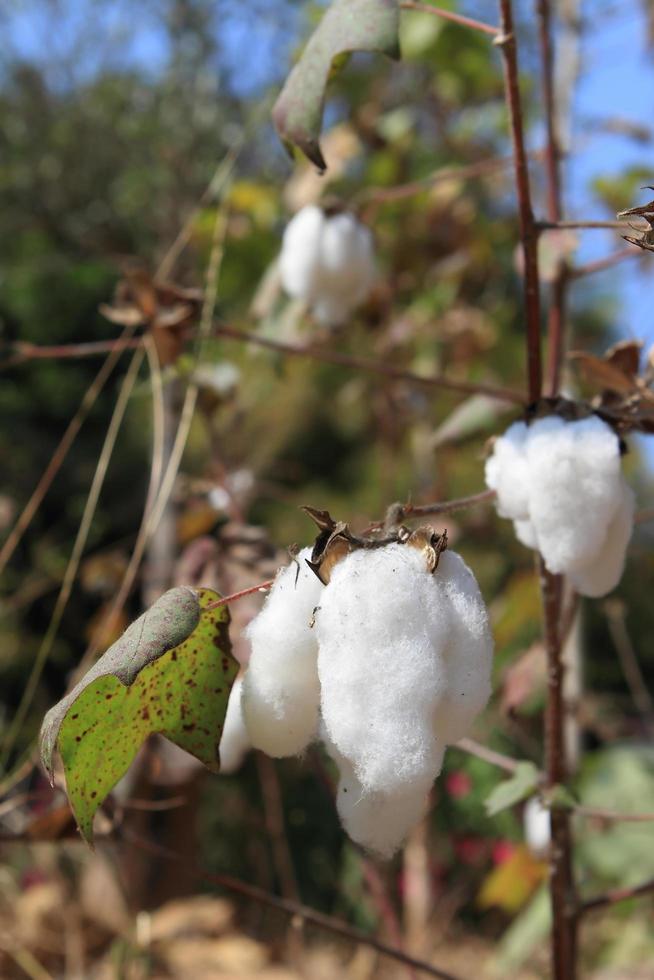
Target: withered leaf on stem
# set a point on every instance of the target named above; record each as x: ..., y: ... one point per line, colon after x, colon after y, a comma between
x: 164, y: 309
x: 347, y: 26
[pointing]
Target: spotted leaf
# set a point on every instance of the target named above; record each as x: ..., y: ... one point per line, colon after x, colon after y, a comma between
x: 170, y: 673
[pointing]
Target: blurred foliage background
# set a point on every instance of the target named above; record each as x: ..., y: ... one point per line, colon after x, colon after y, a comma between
x: 114, y: 121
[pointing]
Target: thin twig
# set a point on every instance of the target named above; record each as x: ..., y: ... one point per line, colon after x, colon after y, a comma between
x: 398, y: 192
x: 23, y: 351
x: 506, y: 41
x: 614, y: 816
x: 364, y: 364
x: 548, y: 225
x: 262, y: 587
x: 493, y: 758
x: 426, y: 8
x: 601, y: 265
x: 70, y: 574
x: 335, y: 926
x: 616, y: 895
x: 402, y: 512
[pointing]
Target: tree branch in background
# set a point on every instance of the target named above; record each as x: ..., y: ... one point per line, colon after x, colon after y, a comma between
x: 32, y: 352
x: 374, y: 367
x: 506, y: 41
x: 616, y: 895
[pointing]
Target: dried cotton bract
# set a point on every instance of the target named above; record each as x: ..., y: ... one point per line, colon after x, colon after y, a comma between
x: 561, y: 484
x: 327, y: 260
x: 281, y: 694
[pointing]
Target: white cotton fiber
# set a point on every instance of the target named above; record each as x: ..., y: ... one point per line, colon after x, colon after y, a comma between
x: 281, y: 693
x: 328, y: 261
x: 396, y: 658
x: 507, y: 473
x: 561, y: 483
x: 468, y: 654
x: 536, y: 822
x: 605, y: 571
x: 377, y: 821
x: 235, y: 741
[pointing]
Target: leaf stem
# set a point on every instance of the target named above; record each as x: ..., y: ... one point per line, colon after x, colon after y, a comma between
x: 426, y: 8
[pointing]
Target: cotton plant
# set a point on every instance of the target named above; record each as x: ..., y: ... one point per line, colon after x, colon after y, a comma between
x: 561, y: 483
x: 386, y: 661
x: 327, y: 260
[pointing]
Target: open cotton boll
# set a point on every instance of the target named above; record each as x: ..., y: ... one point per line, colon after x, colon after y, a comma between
x: 378, y: 821
x: 281, y: 693
x: 561, y: 483
x: 328, y: 261
x: 235, y: 741
x: 468, y: 654
x: 575, y: 488
x: 604, y: 572
x: 399, y: 664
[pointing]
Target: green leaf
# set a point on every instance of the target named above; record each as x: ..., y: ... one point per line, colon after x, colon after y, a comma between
x: 518, y: 787
x: 170, y: 673
x: 348, y: 25
x: 559, y: 797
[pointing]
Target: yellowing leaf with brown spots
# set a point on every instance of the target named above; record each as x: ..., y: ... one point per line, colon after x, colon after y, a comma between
x: 170, y: 673
x: 510, y: 884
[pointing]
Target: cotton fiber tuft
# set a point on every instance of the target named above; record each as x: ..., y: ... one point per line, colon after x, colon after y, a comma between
x: 561, y: 483
x: 404, y: 662
x: 281, y: 693
x: 327, y: 260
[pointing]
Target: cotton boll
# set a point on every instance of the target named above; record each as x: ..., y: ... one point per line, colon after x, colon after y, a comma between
x: 507, y: 473
x: 468, y: 654
x: 328, y: 261
x: 575, y: 479
x: 536, y: 822
x: 561, y: 483
x: 235, y: 741
x: 605, y: 571
x: 281, y: 692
